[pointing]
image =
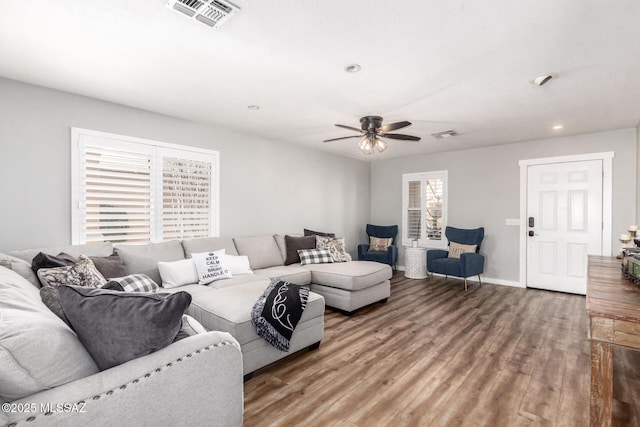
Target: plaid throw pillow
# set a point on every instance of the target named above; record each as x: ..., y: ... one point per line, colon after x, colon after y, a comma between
x: 314, y: 256
x: 132, y: 283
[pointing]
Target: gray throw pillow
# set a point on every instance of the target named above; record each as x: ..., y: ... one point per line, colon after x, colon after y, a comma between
x: 50, y: 297
x: 294, y: 244
x: 110, y: 266
x: 116, y: 327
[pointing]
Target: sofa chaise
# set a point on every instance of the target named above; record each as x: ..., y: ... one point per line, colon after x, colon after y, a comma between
x: 223, y: 306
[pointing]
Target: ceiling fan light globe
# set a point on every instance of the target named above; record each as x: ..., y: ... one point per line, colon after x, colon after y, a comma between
x: 363, y: 143
x: 367, y: 147
x: 381, y: 145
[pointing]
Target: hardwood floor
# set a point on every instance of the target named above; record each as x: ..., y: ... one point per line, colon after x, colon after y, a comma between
x: 437, y: 355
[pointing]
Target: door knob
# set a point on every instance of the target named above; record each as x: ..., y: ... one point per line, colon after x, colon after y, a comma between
x: 531, y: 233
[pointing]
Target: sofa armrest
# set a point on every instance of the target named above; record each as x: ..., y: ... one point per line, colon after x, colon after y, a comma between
x: 195, y: 381
x: 433, y: 254
x: 471, y: 263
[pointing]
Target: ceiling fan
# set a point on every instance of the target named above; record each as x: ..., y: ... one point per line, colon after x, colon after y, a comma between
x: 372, y: 131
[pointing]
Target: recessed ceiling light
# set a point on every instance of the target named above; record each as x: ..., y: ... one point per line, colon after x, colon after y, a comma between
x: 557, y: 127
x: 253, y: 107
x: 352, y: 68
x: 540, y: 80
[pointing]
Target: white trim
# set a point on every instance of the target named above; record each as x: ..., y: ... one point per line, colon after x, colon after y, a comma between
x: 488, y: 280
x: 607, y: 200
x: 157, y: 149
x: 422, y: 177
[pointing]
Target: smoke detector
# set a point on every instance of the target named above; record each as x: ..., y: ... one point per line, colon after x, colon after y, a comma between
x: 445, y: 134
x: 214, y: 13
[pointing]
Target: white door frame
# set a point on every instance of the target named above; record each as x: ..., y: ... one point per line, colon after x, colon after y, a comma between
x: 607, y: 200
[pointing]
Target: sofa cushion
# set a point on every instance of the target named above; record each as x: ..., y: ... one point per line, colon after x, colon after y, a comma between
x: 20, y: 266
x: 37, y: 350
x: 89, y: 249
x: 144, y: 258
x: 229, y: 309
x: 211, y: 266
x: 294, y: 244
x: 293, y: 273
x: 209, y: 244
x: 178, y: 273
x: 262, y: 250
x: 83, y: 273
x: 116, y: 327
x: 351, y: 275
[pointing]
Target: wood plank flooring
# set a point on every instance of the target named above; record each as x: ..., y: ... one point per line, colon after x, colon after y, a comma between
x: 435, y: 355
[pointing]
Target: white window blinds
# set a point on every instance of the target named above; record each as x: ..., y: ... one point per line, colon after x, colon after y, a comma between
x: 424, y: 208
x: 132, y: 190
x: 186, y: 201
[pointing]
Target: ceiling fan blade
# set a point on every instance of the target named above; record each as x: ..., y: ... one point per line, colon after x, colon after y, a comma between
x: 400, y: 136
x: 350, y: 128
x: 394, y: 126
x: 344, y: 137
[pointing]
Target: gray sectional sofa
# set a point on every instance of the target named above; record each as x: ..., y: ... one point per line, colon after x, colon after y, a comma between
x: 223, y: 306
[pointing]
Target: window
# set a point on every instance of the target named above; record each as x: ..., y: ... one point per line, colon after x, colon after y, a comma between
x: 424, y: 202
x: 133, y: 190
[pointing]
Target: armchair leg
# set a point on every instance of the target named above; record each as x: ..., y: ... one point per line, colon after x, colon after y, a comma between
x: 465, y: 285
x: 479, y: 280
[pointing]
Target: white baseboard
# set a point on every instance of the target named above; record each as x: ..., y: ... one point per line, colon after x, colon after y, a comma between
x: 493, y: 281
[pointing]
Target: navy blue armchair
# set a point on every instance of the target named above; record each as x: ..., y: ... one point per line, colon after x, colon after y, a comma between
x: 469, y: 264
x: 390, y: 256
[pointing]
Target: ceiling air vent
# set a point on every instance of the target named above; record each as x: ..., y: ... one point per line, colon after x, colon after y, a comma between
x: 214, y: 13
x: 445, y: 134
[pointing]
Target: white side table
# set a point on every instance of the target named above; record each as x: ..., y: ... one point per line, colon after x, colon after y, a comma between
x: 415, y: 263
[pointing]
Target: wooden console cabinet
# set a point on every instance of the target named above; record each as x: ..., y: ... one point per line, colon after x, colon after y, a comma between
x: 613, y: 307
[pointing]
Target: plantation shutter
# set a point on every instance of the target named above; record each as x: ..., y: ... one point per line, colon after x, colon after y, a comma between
x: 433, y: 208
x: 414, y: 210
x: 115, y: 192
x: 424, y: 208
x: 186, y: 198
x: 129, y: 190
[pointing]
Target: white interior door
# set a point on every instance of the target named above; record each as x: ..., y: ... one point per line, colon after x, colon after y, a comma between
x: 564, y: 223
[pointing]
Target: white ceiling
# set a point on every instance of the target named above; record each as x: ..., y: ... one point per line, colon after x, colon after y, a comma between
x: 458, y: 64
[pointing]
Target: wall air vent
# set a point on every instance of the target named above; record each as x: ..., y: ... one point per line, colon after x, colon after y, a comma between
x: 214, y: 13
x: 445, y: 134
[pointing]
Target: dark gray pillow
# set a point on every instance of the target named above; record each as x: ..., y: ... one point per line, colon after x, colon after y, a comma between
x: 110, y: 266
x: 318, y: 233
x: 293, y: 244
x: 50, y: 297
x: 43, y: 260
x: 116, y: 327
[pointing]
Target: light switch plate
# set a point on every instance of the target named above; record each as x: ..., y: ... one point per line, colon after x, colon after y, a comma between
x: 512, y: 221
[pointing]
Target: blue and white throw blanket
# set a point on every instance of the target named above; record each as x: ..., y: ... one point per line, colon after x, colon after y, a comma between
x: 278, y: 311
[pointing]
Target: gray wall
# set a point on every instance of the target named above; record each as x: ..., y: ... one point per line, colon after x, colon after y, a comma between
x: 266, y: 187
x: 484, y: 188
